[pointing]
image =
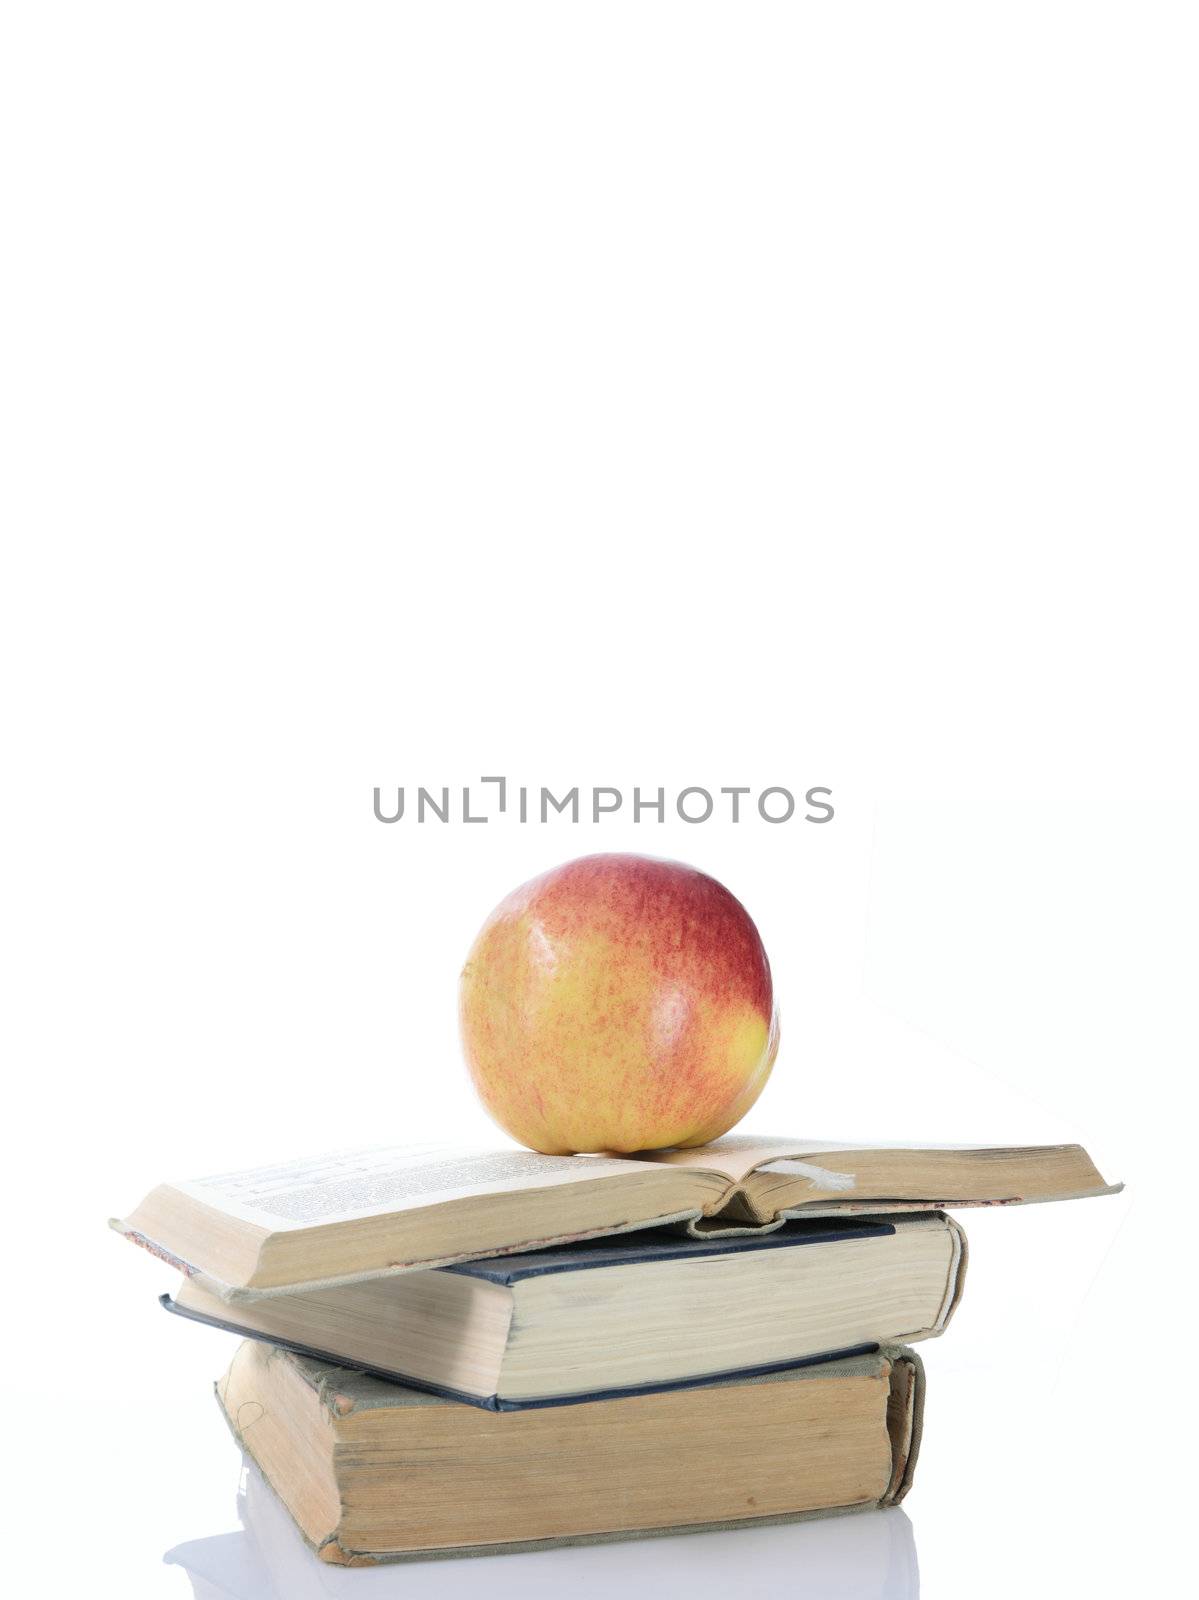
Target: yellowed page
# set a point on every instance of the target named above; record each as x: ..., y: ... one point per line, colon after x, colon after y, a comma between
x: 737, y: 1155
x: 856, y: 1173
x: 349, y: 1185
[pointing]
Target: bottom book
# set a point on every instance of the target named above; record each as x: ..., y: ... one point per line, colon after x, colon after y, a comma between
x: 373, y: 1472
x: 872, y: 1557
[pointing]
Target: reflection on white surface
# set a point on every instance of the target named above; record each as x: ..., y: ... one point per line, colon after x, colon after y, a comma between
x: 869, y: 1556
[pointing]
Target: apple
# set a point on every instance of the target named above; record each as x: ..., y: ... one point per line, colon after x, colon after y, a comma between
x: 619, y: 1003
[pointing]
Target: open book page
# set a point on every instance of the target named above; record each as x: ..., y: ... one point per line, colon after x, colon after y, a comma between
x: 362, y: 1213
x: 931, y: 1174
x: 354, y: 1184
x: 772, y: 1177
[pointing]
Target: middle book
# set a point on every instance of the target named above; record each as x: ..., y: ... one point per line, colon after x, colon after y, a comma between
x: 629, y: 1313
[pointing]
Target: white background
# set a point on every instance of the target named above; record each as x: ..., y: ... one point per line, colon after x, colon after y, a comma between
x: 624, y: 394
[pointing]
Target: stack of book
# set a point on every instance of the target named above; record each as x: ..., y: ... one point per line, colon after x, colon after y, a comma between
x: 450, y: 1352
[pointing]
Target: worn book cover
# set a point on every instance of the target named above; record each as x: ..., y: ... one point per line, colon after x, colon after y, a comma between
x: 374, y: 1472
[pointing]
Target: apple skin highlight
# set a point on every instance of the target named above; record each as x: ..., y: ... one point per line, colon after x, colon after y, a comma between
x: 619, y: 1003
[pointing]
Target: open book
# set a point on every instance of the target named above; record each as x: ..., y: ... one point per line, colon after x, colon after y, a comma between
x: 350, y: 1217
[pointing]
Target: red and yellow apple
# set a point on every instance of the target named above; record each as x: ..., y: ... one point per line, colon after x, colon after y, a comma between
x: 618, y: 1003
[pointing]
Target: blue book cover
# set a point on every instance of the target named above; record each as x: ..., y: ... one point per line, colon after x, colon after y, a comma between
x: 657, y: 1245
